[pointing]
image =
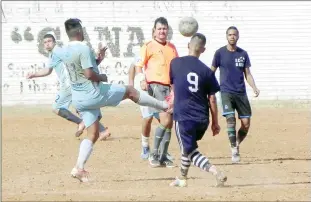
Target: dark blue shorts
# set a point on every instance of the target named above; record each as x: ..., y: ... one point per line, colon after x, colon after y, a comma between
x: 188, y: 133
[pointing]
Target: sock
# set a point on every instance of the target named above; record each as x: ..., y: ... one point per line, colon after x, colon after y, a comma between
x: 101, y: 128
x: 232, y: 137
x: 86, y: 148
x: 158, y: 136
x: 199, y: 160
x: 185, y: 165
x: 165, y: 143
x: 66, y: 114
x: 144, y: 141
x: 147, y: 100
x: 241, y: 135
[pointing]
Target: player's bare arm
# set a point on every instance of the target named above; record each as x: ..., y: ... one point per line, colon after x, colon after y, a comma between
x: 93, y: 76
x: 143, y: 83
x: 101, y: 53
x: 131, y: 75
x: 250, y: 80
x: 214, y: 112
x: 42, y: 73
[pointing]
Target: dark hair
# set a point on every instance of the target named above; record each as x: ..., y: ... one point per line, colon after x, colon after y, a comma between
x: 232, y: 27
x: 49, y: 36
x: 161, y: 20
x: 73, y: 26
x: 201, y: 37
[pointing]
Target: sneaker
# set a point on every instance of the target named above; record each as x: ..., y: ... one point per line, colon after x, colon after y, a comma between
x: 154, y: 160
x: 170, y: 157
x: 221, y: 178
x: 178, y: 183
x: 145, y: 153
x: 167, y: 163
x: 81, y: 175
x: 235, y: 155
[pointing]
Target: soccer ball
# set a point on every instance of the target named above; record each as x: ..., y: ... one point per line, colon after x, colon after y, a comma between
x: 188, y: 26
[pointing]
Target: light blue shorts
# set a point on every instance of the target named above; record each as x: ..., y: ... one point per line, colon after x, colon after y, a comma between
x: 109, y: 95
x: 63, y: 99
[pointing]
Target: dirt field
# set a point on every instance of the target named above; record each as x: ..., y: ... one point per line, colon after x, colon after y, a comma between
x: 39, y: 151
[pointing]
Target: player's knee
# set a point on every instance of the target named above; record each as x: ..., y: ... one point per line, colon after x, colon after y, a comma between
x: 131, y: 93
x: 245, y: 125
x: 231, y: 121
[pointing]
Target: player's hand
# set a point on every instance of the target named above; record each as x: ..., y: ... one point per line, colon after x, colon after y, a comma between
x: 104, y: 77
x: 30, y: 75
x: 215, y: 129
x: 256, y: 92
x: 102, y: 50
x: 143, y: 85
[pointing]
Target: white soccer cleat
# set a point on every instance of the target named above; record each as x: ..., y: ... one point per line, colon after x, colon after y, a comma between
x: 235, y: 155
x: 178, y: 183
x: 81, y: 175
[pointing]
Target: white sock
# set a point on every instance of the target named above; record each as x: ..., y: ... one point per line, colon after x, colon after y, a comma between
x: 147, y: 100
x: 144, y: 141
x: 86, y: 148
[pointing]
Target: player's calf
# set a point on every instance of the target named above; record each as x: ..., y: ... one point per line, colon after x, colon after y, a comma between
x: 242, y: 133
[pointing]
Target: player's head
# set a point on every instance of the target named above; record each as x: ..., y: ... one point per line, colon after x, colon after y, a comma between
x: 160, y: 28
x: 232, y: 34
x: 74, y: 29
x: 197, y: 44
x: 49, y: 41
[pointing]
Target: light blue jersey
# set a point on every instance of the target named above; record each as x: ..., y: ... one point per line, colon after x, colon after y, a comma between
x: 63, y: 96
x: 88, y: 96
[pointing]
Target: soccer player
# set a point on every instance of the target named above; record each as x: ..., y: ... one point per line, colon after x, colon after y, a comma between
x: 234, y: 64
x: 63, y: 97
x: 89, y: 93
x: 194, y: 86
x: 156, y: 56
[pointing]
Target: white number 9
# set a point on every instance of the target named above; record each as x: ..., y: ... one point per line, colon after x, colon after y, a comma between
x: 193, y: 79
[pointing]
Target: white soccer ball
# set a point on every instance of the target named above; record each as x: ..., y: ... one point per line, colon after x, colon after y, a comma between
x: 188, y: 26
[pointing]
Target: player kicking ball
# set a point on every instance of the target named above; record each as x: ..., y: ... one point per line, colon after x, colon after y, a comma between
x: 194, y: 86
x: 63, y: 97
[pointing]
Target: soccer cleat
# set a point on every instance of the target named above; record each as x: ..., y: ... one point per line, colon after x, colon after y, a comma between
x: 220, y: 179
x: 145, y: 153
x: 168, y: 163
x: 178, y: 183
x: 235, y: 155
x: 104, y: 134
x: 170, y: 157
x: 81, y: 175
x: 154, y: 160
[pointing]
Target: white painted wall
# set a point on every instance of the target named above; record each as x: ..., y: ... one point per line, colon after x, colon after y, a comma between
x: 275, y: 34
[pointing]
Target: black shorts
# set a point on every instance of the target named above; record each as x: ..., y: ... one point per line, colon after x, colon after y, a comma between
x: 188, y: 133
x: 158, y: 91
x: 232, y: 102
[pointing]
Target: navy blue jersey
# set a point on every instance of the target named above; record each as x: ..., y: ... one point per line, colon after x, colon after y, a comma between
x: 231, y: 66
x: 193, y: 81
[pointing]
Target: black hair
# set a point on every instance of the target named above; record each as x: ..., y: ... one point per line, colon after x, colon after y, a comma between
x: 161, y: 20
x: 73, y: 26
x: 49, y: 36
x: 232, y: 27
x: 201, y: 37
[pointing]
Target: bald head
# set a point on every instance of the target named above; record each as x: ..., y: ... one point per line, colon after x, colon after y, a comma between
x: 197, y: 44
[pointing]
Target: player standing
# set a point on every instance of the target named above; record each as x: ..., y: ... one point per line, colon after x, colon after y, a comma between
x: 234, y: 64
x: 194, y: 86
x: 156, y: 56
x: 63, y: 97
x: 89, y: 93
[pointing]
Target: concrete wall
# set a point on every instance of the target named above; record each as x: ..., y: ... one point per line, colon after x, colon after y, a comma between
x: 275, y: 34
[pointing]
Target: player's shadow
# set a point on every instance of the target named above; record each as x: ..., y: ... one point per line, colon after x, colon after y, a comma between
x: 154, y: 179
x: 121, y: 138
x: 266, y: 184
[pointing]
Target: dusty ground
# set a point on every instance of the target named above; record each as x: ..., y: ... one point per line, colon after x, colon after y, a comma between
x: 39, y: 151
